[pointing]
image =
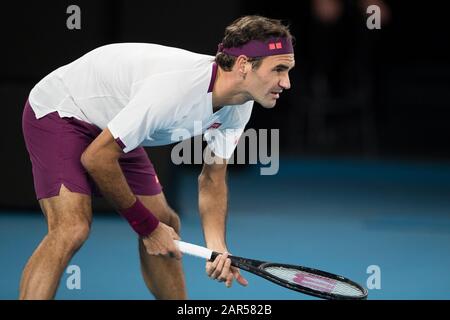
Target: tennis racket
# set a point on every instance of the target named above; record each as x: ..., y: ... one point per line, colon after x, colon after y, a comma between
x: 305, y: 280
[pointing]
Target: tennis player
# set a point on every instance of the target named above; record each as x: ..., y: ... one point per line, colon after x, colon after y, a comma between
x: 85, y: 125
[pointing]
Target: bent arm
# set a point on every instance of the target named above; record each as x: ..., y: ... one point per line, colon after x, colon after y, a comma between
x: 101, y: 160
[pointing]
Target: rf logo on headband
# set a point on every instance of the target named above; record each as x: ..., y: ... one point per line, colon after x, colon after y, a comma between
x: 273, y: 46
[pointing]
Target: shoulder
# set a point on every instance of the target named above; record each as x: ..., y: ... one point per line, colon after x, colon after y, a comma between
x: 185, y: 83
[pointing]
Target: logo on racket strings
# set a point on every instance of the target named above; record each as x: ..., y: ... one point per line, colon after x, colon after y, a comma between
x: 315, y: 282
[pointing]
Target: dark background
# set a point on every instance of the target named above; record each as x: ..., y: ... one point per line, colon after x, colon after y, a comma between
x: 360, y: 93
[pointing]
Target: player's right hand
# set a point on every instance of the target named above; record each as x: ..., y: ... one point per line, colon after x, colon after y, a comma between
x: 160, y: 242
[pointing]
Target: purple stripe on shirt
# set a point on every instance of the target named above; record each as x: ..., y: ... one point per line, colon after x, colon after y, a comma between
x: 120, y: 143
x: 213, y: 77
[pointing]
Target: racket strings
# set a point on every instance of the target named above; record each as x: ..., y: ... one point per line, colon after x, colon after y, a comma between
x: 315, y: 281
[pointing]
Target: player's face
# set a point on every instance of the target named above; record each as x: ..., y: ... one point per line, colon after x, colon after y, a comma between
x: 270, y: 79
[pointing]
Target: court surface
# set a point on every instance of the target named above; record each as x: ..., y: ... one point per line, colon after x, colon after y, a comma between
x: 341, y: 216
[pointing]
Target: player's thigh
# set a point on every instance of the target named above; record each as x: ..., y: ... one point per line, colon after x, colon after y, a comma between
x: 62, y: 185
x: 68, y: 210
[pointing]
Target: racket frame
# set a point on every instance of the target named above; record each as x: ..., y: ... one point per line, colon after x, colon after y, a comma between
x: 257, y: 267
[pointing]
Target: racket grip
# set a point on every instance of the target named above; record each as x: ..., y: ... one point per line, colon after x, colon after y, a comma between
x: 194, y: 250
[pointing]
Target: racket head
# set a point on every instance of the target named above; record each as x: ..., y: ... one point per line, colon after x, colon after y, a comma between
x: 306, y: 280
x: 313, y: 282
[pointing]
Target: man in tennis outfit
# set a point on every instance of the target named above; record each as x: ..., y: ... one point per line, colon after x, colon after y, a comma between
x: 85, y: 125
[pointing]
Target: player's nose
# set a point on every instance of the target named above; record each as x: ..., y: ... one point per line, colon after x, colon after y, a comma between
x: 285, y: 82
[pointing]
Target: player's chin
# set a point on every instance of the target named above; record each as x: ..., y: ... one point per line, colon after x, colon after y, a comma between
x: 268, y: 103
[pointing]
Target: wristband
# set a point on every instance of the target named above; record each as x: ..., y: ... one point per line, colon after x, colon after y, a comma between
x: 140, y: 218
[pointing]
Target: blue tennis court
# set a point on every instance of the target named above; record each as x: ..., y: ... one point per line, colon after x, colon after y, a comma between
x: 341, y: 216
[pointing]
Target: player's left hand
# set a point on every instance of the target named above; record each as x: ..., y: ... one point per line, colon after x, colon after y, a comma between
x: 220, y: 269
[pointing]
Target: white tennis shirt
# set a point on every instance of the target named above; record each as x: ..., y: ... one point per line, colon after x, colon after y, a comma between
x: 145, y: 94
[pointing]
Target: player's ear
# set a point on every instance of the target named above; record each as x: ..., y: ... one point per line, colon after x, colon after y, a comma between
x: 242, y: 65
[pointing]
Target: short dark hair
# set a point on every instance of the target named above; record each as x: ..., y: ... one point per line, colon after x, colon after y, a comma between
x: 246, y: 29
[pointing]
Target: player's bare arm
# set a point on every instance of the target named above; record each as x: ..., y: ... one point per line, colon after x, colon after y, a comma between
x: 213, y: 198
x: 213, y: 195
x: 101, y: 160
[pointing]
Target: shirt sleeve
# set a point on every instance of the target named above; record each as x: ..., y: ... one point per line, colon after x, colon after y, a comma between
x: 223, y: 140
x: 152, y: 107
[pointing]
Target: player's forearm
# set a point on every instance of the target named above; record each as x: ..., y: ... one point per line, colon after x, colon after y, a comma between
x: 109, y: 177
x: 112, y: 183
x: 213, y: 210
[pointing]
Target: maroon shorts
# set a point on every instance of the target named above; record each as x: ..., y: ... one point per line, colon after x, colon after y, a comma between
x: 55, y: 146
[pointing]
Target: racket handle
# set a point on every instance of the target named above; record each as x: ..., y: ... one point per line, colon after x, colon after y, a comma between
x: 194, y: 250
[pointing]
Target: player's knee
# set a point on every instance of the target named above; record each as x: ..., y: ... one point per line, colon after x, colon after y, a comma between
x: 71, y: 236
